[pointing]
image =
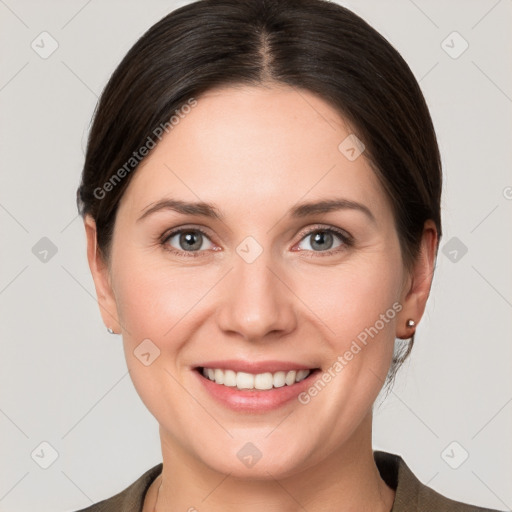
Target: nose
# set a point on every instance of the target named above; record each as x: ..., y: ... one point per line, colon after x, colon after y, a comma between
x: 257, y: 303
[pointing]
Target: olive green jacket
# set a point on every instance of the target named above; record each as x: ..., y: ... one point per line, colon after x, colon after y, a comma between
x: 411, y: 495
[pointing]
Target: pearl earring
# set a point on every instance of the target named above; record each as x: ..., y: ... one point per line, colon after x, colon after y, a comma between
x: 410, y: 323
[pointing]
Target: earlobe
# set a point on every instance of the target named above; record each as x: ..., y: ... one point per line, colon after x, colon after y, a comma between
x: 101, y: 276
x: 417, y: 289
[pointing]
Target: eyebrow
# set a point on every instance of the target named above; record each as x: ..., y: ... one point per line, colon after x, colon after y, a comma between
x: 301, y: 210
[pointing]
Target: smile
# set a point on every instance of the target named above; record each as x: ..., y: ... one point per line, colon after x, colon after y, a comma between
x: 254, y: 386
x: 259, y: 381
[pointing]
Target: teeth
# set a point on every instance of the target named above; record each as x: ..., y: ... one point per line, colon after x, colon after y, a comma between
x: 301, y: 375
x: 290, y: 378
x: 279, y: 379
x: 219, y: 376
x: 244, y: 380
x: 264, y: 381
x: 229, y: 378
x: 260, y: 381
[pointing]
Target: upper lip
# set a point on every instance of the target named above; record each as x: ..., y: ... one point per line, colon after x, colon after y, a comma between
x: 254, y: 367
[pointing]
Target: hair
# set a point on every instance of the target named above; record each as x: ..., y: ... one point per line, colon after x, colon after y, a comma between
x: 313, y: 45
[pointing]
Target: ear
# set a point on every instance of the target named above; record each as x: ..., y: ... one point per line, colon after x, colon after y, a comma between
x: 418, y: 282
x: 101, y: 276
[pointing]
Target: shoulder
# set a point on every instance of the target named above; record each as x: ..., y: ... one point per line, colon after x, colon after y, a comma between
x: 129, y: 500
x: 412, y: 495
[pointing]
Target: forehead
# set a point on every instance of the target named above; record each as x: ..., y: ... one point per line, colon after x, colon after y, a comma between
x: 256, y: 146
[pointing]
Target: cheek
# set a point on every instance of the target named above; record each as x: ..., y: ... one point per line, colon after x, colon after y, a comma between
x: 356, y: 306
x: 350, y: 298
x: 160, y: 303
x: 152, y: 298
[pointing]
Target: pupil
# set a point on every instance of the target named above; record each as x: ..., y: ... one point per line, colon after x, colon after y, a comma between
x: 320, y: 238
x: 188, y: 240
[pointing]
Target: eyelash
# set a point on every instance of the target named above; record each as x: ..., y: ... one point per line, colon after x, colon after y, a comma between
x: 345, y: 238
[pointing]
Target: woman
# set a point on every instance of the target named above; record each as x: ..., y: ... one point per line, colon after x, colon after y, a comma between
x: 233, y: 142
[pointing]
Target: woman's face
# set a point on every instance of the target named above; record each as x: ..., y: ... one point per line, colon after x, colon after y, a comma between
x: 265, y: 286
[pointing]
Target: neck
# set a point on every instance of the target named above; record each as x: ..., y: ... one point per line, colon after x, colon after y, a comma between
x: 347, y: 479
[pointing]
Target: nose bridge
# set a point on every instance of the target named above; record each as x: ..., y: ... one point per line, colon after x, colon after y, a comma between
x: 255, y: 302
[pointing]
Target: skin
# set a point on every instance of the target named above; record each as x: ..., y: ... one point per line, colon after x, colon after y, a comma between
x: 254, y: 152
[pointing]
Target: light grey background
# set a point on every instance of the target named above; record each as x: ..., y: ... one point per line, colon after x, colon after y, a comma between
x: 63, y: 378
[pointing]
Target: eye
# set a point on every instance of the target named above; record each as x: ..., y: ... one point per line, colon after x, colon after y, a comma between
x: 323, y: 240
x: 186, y: 241
x: 190, y: 242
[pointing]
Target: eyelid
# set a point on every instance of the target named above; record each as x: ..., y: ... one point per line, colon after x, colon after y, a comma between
x: 348, y: 238
x: 174, y: 231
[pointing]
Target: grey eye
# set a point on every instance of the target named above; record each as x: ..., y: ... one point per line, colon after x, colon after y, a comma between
x: 321, y: 240
x: 189, y: 240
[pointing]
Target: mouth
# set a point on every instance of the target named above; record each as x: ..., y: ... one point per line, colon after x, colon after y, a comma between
x: 258, y: 389
x: 255, y: 382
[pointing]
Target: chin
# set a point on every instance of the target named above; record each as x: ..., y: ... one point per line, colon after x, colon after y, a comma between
x: 262, y: 459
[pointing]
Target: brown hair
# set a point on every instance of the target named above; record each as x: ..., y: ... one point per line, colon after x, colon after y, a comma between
x: 310, y: 44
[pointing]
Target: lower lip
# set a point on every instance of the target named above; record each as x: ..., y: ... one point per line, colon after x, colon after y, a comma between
x: 255, y: 400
